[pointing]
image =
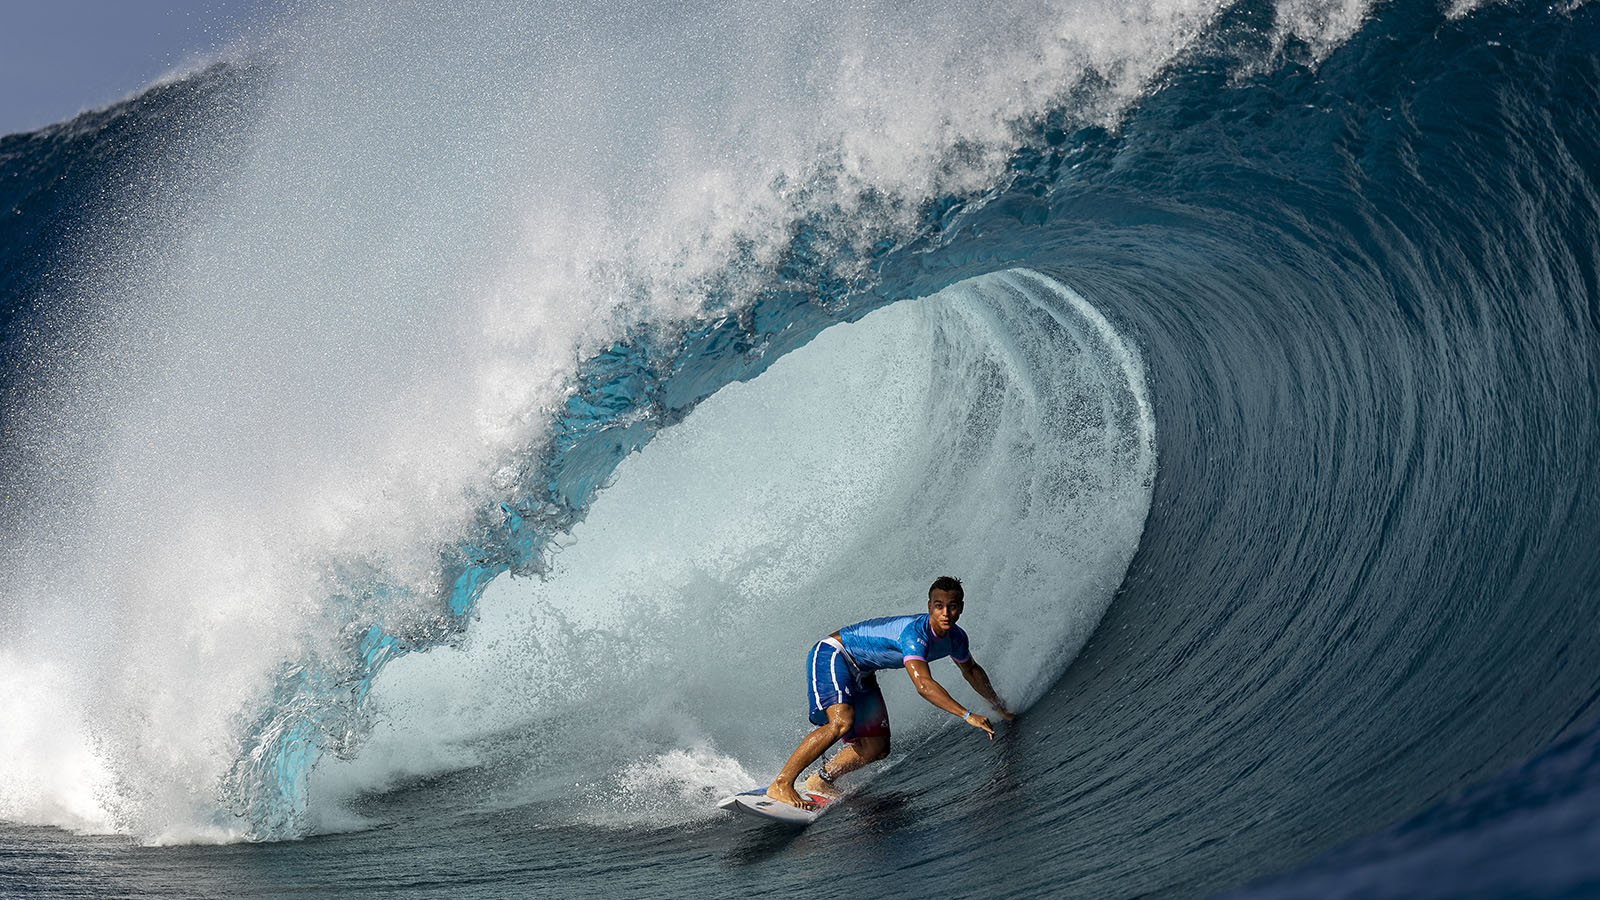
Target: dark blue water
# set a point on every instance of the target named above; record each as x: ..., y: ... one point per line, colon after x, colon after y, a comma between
x: 1352, y: 654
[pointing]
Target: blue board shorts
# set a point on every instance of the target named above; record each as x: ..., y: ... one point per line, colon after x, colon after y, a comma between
x: 832, y: 677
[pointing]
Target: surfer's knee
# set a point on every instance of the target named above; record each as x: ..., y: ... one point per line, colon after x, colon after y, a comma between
x: 841, y: 718
x: 873, y: 749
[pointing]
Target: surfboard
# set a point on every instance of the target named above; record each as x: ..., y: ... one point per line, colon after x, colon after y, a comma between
x: 755, y: 802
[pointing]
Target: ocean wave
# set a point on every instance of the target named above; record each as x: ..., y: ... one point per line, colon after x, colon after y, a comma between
x: 1351, y: 248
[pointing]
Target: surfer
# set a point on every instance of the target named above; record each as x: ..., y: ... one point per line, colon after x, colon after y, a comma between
x: 846, y: 703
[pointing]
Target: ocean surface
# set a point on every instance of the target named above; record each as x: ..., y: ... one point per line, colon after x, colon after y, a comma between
x: 431, y: 439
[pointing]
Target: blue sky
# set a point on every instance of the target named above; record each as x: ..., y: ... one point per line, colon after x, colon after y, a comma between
x: 59, y: 57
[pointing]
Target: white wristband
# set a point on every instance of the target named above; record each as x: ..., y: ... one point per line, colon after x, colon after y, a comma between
x: 965, y: 713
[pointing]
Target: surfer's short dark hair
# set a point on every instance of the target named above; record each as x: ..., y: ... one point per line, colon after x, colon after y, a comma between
x: 947, y: 584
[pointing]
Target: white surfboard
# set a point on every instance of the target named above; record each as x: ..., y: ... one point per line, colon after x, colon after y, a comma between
x: 755, y: 802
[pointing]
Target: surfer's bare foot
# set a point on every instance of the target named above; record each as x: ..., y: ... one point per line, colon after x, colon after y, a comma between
x: 786, y: 793
x: 815, y: 785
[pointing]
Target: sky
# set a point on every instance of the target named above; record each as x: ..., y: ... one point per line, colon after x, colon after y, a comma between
x: 60, y: 57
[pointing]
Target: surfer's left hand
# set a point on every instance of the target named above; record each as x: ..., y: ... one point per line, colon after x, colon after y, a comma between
x: 977, y: 721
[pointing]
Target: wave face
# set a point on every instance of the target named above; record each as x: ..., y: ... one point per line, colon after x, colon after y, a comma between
x: 761, y: 322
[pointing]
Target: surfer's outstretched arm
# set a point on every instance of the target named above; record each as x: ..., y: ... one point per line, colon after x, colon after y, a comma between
x: 934, y: 692
x: 979, y: 679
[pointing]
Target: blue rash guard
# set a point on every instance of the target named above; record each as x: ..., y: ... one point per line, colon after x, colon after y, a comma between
x: 842, y: 671
x: 888, y: 642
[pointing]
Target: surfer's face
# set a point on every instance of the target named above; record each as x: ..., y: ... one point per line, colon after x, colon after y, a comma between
x: 944, y: 608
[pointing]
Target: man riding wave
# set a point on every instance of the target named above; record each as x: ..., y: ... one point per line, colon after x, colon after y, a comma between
x: 846, y: 703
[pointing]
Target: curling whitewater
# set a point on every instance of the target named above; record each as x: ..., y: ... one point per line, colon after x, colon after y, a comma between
x: 465, y: 339
x: 1357, y: 264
